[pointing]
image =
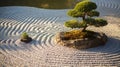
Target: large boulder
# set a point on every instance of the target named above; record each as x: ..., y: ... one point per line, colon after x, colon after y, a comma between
x: 98, y: 40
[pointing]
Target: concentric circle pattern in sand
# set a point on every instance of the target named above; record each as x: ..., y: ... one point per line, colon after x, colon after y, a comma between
x: 42, y: 25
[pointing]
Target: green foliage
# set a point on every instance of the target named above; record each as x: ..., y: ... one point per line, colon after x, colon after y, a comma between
x: 96, y: 22
x: 90, y: 21
x: 93, y: 13
x: 85, y: 6
x: 100, y: 22
x: 75, y: 13
x: 24, y: 35
x: 74, y: 24
x: 86, y: 10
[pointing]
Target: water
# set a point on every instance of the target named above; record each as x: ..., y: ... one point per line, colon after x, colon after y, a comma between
x: 48, y: 4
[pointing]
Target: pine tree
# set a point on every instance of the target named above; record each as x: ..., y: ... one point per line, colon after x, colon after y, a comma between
x: 86, y: 10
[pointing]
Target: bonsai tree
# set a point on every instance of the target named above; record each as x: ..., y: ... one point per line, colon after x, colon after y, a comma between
x: 25, y: 38
x: 83, y: 39
x: 85, y: 10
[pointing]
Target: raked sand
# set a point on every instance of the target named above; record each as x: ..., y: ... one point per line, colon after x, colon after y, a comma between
x: 42, y: 25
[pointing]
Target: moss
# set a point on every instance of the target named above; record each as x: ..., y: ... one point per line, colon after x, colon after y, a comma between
x: 25, y: 38
x: 24, y: 35
x: 78, y: 34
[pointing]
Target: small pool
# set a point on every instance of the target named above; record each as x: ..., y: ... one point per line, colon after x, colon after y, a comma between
x: 47, y: 4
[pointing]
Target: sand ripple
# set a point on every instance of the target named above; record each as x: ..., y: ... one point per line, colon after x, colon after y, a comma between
x: 42, y: 25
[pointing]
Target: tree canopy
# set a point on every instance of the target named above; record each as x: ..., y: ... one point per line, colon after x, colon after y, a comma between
x: 85, y: 6
x: 85, y: 10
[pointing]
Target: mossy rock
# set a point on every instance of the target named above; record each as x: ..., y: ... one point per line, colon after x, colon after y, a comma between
x: 94, y: 39
x: 78, y: 34
x: 25, y: 38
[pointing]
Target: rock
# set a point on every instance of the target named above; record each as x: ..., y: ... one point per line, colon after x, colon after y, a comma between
x: 98, y: 40
x: 27, y: 40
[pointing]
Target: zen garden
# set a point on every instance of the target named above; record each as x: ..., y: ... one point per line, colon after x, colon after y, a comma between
x: 86, y: 35
x: 80, y: 38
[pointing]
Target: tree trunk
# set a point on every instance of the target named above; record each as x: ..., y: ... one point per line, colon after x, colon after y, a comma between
x: 83, y: 18
x: 84, y: 29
